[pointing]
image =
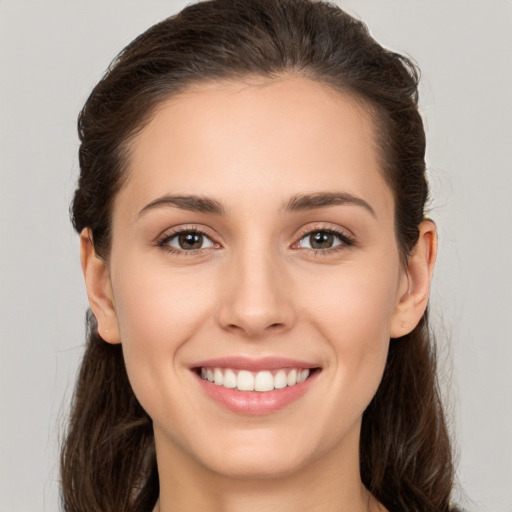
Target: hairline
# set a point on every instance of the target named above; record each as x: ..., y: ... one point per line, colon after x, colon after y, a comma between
x: 372, y: 115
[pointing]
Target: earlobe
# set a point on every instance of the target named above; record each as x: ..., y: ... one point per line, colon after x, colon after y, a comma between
x: 99, y: 289
x: 414, y: 289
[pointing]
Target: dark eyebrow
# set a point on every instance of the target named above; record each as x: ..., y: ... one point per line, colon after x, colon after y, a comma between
x: 188, y: 202
x: 297, y: 203
x: 324, y: 199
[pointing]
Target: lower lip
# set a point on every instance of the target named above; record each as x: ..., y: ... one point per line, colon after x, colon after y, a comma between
x: 256, y: 403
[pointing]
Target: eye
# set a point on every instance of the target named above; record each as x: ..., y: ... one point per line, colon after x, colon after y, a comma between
x: 323, y: 239
x: 189, y: 240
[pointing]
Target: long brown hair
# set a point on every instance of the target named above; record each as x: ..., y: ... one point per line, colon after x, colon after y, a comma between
x: 108, y: 460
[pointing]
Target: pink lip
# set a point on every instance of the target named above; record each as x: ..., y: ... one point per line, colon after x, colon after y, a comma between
x: 254, y: 365
x: 254, y: 403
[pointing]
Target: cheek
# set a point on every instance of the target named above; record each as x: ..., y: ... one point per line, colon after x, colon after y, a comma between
x: 158, y: 306
x: 353, y: 314
x: 158, y: 311
x: 354, y: 305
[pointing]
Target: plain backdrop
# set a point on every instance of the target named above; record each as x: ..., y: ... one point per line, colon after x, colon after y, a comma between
x: 53, y: 52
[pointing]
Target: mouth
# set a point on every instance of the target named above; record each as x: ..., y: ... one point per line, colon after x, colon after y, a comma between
x: 255, y: 387
x: 258, y: 381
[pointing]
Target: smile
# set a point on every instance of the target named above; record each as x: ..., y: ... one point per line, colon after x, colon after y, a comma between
x: 261, y: 381
x: 255, y: 386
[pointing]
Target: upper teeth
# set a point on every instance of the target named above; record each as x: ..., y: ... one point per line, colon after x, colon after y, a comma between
x: 244, y: 380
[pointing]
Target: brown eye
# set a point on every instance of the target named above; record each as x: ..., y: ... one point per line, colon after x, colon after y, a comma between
x: 323, y: 239
x: 188, y: 241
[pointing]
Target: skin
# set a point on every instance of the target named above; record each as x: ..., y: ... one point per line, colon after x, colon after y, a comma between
x: 257, y: 290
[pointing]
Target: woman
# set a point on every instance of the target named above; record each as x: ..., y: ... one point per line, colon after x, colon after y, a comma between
x: 257, y: 261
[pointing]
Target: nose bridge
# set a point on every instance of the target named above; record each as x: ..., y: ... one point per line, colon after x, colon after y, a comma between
x: 256, y: 295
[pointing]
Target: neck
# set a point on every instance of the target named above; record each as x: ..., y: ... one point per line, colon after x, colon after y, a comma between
x: 331, y: 483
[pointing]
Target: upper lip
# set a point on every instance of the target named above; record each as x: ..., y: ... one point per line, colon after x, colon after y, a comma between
x: 255, y: 365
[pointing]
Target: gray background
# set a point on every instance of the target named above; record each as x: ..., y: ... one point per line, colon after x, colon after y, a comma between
x: 52, y: 53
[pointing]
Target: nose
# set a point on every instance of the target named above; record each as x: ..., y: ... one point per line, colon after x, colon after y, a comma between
x: 257, y: 295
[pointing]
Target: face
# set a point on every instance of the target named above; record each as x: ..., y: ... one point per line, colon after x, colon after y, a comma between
x: 253, y: 246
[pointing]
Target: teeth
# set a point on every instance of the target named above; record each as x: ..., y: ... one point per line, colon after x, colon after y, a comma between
x: 301, y: 377
x: 229, y: 379
x: 244, y: 380
x: 218, y: 378
x: 280, y: 380
x: 264, y: 381
x: 292, y: 378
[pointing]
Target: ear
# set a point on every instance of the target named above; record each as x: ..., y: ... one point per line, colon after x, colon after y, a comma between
x: 99, y: 289
x: 414, y: 287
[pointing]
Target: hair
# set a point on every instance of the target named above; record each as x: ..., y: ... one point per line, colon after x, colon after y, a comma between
x: 108, y: 459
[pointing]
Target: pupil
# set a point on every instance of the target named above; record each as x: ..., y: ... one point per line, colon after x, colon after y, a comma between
x: 321, y: 240
x: 191, y: 240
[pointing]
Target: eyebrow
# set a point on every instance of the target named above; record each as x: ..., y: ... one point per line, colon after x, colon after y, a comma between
x: 299, y: 202
x: 302, y: 202
x: 188, y: 202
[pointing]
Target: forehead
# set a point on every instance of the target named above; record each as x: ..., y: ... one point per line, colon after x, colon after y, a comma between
x: 282, y: 137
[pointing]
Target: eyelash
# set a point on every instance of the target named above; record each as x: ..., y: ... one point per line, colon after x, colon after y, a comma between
x: 346, y: 241
x: 166, y: 238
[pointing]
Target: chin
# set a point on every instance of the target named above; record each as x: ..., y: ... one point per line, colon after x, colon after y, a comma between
x: 262, y: 466
x: 263, y: 455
